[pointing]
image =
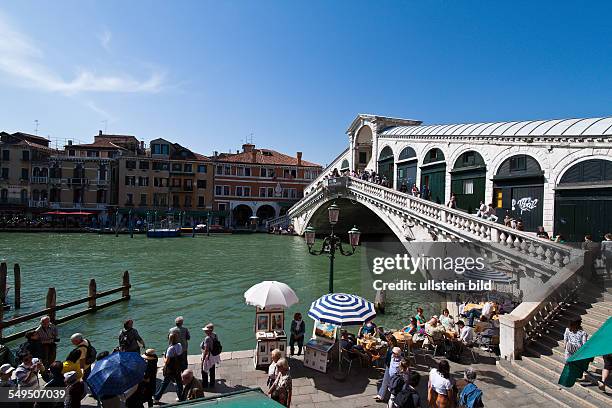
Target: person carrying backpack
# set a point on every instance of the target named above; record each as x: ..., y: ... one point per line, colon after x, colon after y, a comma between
x: 88, y: 353
x: 211, y: 355
x: 129, y: 338
x: 471, y: 395
x: 403, y: 388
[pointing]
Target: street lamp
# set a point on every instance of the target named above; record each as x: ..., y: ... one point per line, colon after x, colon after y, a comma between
x: 332, y: 243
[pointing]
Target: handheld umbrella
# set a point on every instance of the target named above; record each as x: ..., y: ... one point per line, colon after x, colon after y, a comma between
x: 116, y: 373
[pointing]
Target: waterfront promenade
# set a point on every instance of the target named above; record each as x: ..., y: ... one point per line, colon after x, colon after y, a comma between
x: 313, y: 389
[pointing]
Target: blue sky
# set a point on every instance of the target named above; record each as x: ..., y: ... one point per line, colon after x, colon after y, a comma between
x: 295, y: 73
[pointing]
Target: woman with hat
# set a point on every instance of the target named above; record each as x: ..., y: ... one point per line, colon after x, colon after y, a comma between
x: 150, y: 376
x: 210, y: 356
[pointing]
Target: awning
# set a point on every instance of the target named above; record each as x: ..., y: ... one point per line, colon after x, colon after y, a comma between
x: 78, y: 213
x: 598, y: 345
x: 248, y: 398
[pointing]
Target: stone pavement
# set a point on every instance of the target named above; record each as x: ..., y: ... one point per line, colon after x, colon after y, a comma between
x: 317, y: 390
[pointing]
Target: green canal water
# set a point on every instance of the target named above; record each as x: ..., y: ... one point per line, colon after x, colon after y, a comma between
x: 202, y: 279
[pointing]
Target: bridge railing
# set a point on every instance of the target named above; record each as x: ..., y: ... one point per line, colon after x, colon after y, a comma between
x: 281, y: 221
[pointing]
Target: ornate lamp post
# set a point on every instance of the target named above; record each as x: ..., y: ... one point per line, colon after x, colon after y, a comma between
x: 332, y: 243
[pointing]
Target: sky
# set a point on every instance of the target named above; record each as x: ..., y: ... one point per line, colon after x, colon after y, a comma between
x: 294, y: 74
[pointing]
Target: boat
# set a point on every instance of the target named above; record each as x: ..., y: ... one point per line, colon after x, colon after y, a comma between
x: 164, y: 233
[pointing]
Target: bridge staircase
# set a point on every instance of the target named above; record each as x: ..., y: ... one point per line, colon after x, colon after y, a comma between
x: 542, y: 360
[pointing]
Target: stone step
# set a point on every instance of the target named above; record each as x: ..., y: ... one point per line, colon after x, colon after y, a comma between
x: 602, y: 307
x: 550, y: 372
x: 556, y: 361
x: 599, y: 314
x: 558, y: 354
x: 553, y: 392
x: 562, y: 322
x: 593, y: 316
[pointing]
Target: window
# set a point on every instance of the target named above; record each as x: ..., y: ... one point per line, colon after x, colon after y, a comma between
x: 130, y: 180
x: 266, y: 172
x: 289, y: 193
x: 201, y: 183
x: 290, y: 173
x: 176, y: 182
x: 227, y: 170
x: 177, y: 167
x: 24, y: 174
x: 158, y: 148
x: 310, y: 174
x: 143, y: 165
x: 222, y: 190
x: 101, y: 196
x: 239, y: 191
x: 6, y: 155
x: 363, y: 157
x: 143, y: 200
x: 130, y: 164
x: 93, y: 153
x: 25, y: 155
x: 71, y: 152
x: 226, y: 190
x: 468, y: 186
x: 175, y: 201
x: 160, y: 200
x: 129, y: 199
x: 222, y: 206
x: 143, y: 181
x: 188, y: 201
x: 188, y: 168
x: 246, y: 191
x: 469, y: 158
x: 518, y: 163
x: 188, y: 185
x: 219, y: 170
x: 266, y: 192
x: 201, y: 202
x: 433, y: 154
x: 160, y: 166
x: 5, y: 173
x: 202, y: 168
x: 243, y: 171
x: 160, y: 182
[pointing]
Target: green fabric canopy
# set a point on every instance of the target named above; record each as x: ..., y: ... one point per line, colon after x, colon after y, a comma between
x: 598, y: 345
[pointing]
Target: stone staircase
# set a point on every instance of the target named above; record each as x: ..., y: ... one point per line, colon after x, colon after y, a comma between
x: 543, y: 359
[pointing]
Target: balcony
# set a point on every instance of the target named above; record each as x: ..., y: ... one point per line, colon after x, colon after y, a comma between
x: 78, y: 181
x: 39, y: 203
x: 40, y: 180
x: 55, y: 180
x: 77, y: 206
x: 102, y: 182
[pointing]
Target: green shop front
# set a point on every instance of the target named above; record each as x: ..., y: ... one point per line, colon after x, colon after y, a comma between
x: 468, y: 178
x: 518, y: 191
x: 385, y: 164
x: 433, y: 175
x: 406, y: 169
x: 247, y: 398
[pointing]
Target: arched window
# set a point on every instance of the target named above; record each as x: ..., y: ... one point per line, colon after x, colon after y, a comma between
x: 344, y: 165
x: 406, y: 154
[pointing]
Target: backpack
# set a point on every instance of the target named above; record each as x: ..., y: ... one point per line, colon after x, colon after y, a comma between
x: 90, y: 356
x: 125, y: 339
x: 216, y: 347
x: 404, y: 399
x: 396, y: 384
x: 471, y: 397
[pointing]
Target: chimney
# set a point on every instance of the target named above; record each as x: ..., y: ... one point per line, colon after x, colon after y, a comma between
x: 253, y: 155
x: 248, y: 147
x: 100, y: 132
x: 299, y: 158
x: 142, y: 144
x: 70, y: 143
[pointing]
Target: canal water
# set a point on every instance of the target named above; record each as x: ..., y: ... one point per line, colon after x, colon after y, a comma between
x: 201, y: 278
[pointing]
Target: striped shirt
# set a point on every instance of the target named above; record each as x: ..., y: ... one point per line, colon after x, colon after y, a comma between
x: 47, y: 335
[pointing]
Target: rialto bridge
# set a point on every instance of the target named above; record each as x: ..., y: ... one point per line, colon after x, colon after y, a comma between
x: 555, y: 173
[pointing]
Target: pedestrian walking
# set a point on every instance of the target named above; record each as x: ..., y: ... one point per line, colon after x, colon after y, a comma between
x: 150, y: 376
x: 129, y: 338
x: 171, y: 368
x: 211, y: 355
x: 184, y: 337
x: 298, y: 329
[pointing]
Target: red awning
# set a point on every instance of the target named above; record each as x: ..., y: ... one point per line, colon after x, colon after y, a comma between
x: 67, y: 213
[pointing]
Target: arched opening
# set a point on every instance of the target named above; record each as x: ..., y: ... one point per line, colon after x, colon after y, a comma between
x: 44, y: 172
x: 55, y: 195
x: 468, y: 178
x: 240, y: 215
x: 518, y: 191
x: 43, y: 195
x: 36, y: 172
x: 433, y: 176
x: 344, y: 166
x: 56, y: 171
x: 583, y: 201
x: 4, y: 196
x: 406, y: 169
x: 385, y: 165
x: 35, y: 195
x: 363, y: 148
x: 23, y: 196
x: 265, y: 212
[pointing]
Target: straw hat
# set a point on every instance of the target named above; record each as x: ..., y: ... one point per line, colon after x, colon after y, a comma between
x: 149, y: 354
x: 209, y: 327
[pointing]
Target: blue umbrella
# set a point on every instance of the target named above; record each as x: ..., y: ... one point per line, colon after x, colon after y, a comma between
x: 116, y: 373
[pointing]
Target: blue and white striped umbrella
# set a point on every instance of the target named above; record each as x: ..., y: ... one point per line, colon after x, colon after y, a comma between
x: 342, y: 309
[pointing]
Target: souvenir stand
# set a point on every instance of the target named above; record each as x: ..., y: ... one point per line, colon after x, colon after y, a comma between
x: 319, y: 349
x: 269, y: 334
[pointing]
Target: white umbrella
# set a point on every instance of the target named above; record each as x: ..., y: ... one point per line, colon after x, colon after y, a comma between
x: 270, y: 294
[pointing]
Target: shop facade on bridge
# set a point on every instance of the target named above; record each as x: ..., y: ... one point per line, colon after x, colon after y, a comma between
x: 553, y: 173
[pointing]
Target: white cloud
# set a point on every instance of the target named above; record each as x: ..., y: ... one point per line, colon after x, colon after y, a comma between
x: 94, y: 107
x: 25, y: 64
x: 105, y: 39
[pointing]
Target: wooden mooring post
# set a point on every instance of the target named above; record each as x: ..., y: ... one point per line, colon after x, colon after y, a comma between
x: 17, y: 283
x: 3, y: 283
x: 52, y: 307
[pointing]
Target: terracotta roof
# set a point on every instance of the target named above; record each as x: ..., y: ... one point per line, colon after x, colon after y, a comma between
x: 200, y: 156
x: 265, y: 156
x: 101, y: 143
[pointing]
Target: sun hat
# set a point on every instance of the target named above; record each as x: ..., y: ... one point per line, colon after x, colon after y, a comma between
x: 149, y: 354
x: 396, y: 350
x: 6, y: 368
x: 208, y: 327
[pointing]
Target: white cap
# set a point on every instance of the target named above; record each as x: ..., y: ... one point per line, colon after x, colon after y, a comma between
x: 6, y: 368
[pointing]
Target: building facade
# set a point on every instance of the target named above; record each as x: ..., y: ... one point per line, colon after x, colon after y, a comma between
x: 260, y: 183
